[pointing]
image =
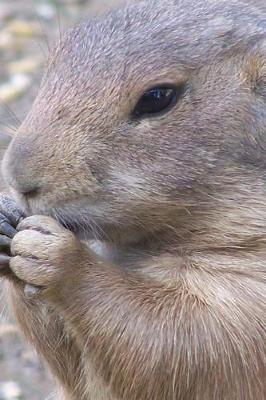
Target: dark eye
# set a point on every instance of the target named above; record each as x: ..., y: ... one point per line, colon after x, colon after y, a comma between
x: 157, y: 100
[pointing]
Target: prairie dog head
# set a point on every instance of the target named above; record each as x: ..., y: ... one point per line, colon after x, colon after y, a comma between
x: 151, y: 117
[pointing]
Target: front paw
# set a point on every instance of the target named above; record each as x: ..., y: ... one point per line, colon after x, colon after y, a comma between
x: 44, y: 253
x: 10, y: 216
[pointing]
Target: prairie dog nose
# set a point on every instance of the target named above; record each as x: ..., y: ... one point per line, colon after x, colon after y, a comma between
x: 18, y: 170
x: 29, y: 190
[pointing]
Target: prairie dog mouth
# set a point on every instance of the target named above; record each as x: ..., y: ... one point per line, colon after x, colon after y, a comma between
x: 84, y: 221
x: 79, y: 217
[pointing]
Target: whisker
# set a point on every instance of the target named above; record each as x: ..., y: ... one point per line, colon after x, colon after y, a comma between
x: 84, y: 225
x: 11, y: 113
x: 42, y: 49
x: 11, y: 119
x: 9, y: 130
x: 58, y: 23
x: 46, y: 40
x: 100, y: 232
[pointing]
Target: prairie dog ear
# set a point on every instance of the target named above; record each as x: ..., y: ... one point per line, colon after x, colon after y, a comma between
x: 256, y: 68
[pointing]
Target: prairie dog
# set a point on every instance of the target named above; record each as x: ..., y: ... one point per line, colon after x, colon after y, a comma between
x: 148, y: 136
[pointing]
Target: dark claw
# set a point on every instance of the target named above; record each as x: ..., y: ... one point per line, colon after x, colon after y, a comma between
x: 8, y: 208
x: 5, y: 242
x: 4, y: 261
x: 5, y: 228
x: 10, y: 216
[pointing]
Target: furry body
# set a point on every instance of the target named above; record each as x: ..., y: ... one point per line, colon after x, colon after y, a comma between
x: 175, y: 307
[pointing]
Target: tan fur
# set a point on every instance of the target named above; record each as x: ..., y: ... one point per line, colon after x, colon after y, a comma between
x: 173, y: 307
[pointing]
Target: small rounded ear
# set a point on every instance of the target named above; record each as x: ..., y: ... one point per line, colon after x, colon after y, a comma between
x: 256, y: 68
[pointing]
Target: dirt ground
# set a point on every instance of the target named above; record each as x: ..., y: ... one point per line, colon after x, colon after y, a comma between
x: 27, y: 29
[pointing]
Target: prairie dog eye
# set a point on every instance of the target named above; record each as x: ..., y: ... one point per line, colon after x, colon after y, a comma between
x: 157, y: 100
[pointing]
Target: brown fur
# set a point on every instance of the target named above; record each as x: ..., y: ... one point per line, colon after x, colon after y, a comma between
x: 174, y: 308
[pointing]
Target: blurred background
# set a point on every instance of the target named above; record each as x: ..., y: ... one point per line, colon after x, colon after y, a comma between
x: 28, y: 28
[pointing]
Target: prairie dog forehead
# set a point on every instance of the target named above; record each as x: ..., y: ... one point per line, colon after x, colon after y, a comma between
x: 181, y: 22
x: 150, y: 36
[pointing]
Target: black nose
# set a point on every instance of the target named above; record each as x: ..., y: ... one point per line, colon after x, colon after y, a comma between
x: 24, y: 188
x: 19, y: 170
x: 29, y: 191
x: 20, y: 182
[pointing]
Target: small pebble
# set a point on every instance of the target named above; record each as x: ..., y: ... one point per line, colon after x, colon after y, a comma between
x: 6, y: 40
x: 10, y: 391
x: 8, y: 329
x: 24, y: 65
x: 46, y: 11
x: 15, y: 87
x: 24, y: 28
x: 10, y: 42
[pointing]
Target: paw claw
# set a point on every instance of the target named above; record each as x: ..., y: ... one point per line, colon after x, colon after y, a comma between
x: 4, y: 265
x: 9, y: 209
x: 6, y: 229
x: 5, y: 242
